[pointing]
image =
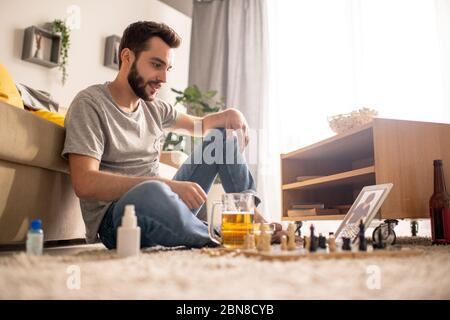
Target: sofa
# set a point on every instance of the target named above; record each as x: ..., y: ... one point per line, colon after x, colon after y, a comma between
x: 35, y: 181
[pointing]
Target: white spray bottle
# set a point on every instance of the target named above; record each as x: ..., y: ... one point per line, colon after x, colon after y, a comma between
x: 129, y: 234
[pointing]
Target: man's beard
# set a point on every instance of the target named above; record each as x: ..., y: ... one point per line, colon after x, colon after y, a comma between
x: 137, y: 83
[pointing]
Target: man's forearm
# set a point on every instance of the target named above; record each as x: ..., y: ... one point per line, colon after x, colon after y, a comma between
x: 106, y: 186
x: 213, y: 120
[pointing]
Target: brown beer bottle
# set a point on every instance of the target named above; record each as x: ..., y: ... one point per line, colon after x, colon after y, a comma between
x: 440, y: 207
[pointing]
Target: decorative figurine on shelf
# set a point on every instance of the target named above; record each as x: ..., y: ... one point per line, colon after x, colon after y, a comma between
x: 346, y: 245
x: 361, y: 237
x: 313, y: 242
x: 38, y: 52
x: 322, y: 242
x: 332, y: 242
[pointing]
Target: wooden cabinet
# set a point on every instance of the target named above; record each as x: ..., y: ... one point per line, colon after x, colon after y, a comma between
x: 396, y: 151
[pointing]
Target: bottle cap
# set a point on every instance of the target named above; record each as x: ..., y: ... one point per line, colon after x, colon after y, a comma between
x: 437, y: 162
x: 36, y: 224
x: 129, y: 219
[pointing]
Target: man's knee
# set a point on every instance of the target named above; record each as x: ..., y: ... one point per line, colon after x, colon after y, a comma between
x: 147, y: 197
x: 152, y: 189
x: 221, y: 148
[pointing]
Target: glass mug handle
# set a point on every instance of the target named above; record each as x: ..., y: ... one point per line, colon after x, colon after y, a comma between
x: 212, y: 235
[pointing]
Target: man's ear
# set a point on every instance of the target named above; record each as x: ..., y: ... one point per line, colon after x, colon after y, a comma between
x: 127, y: 56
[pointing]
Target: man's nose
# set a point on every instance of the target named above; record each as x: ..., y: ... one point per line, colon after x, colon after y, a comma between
x: 163, y: 76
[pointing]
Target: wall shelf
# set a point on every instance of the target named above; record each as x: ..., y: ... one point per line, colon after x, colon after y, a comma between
x: 50, y: 45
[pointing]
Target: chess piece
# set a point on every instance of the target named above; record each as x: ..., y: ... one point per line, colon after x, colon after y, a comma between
x: 379, y: 241
x: 260, y: 243
x: 313, y: 243
x: 361, y: 236
x: 249, y: 242
x: 284, y: 245
x: 346, y: 245
x: 414, y: 228
x: 291, y: 237
x: 266, y: 239
x: 322, y: 242
x: 332, y: 242
x: 307, y: 242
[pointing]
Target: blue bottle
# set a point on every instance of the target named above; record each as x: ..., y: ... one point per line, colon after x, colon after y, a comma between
x: 35, y: 238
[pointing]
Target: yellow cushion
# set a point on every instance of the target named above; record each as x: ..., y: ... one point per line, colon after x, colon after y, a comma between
x: 50, y: 116
x: 8, y: 90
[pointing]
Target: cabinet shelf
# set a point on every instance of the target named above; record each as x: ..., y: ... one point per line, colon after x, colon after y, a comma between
x: 316, y: 217
x: 385, y: 151
x: 335, y: 179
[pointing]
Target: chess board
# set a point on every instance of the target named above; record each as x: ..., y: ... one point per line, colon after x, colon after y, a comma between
x: 300, y: 253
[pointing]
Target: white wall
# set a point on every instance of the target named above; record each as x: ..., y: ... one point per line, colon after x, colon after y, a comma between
x: 99, y: 19
x: 185, y: 6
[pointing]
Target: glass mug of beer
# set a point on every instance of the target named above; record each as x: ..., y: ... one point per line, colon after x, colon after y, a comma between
x: 237, y: 216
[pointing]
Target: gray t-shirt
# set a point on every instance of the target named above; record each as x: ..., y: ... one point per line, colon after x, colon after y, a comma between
x: 124, y: 143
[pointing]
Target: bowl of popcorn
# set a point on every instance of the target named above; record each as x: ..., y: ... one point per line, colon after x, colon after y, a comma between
x: 344, y: 122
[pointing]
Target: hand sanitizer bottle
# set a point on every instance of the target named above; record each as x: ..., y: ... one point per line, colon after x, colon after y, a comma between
x: 35, y: 238
x: 129, y: 234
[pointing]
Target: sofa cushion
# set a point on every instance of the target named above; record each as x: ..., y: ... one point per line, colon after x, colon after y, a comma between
x: 8, y: 90
x: 30, y: 140
x: 50, y: 116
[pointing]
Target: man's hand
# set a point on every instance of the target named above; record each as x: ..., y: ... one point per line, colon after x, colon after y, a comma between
x: 235, y: 120
x: 190, y: 192
x: 278, y: 233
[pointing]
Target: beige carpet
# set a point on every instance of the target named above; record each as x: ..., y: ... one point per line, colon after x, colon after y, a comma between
x: 190, y: 274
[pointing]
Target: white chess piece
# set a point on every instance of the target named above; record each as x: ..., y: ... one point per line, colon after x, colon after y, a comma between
x: 307, y: 242
x: 260, y: 242
x: 291, y: 237
x: 267, y: 244
x: 249, y: 241
x: 284, y: 245
x: 332, y: 243
x: 265, y: 238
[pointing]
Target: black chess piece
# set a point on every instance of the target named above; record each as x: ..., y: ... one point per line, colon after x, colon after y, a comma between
x: 313, y: 241
x: 414, y: 228
x: 361, y: 236
x: 379, y: 244
x: 346, y: 246
x: 322, y: 242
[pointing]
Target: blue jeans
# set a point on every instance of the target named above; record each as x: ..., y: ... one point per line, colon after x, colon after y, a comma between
x: 163, y: 217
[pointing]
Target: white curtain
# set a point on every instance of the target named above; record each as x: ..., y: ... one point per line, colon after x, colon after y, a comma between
x: 229, y: 53
x: 333, y: 56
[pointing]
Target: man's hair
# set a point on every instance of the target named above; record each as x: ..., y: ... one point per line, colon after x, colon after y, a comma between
x: 136, y: 35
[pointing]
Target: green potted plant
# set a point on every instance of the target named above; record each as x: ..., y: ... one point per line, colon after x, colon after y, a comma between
x: 59, y: 26
x: 198, y: 104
